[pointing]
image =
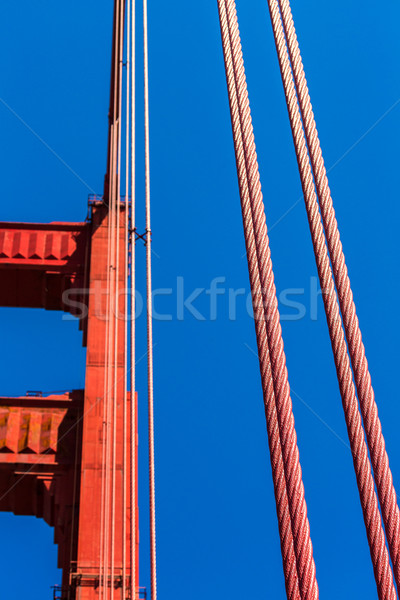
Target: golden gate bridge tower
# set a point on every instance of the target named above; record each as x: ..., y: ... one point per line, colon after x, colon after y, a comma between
x: 71, y: 458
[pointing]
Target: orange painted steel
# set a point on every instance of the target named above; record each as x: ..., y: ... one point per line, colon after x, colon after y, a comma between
x: 89, y: 547
x: 39, y: 262
x: 42, y: 468
x: 82, y: 268
x: 40, y: 448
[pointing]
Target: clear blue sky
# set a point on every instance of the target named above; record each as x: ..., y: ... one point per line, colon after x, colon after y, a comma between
x: 217, y: 528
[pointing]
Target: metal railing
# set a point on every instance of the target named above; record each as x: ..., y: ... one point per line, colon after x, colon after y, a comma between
x: 94, y: 198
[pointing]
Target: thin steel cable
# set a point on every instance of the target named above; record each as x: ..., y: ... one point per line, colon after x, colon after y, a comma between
x: 107, y: 377
x: 110, y: 540
x: 107, y: 501
x: 372, y: 424
x: 153, y: 559
x: 125, y: 400
x: 132, y: 437
x: 106, y: 443
x: 117, y: 286
x: 102, y: 524
x: 110, y: 391
x: 293, y: 475
x: 365, y: 482
x: 282, y: 504
x: 102, y: 590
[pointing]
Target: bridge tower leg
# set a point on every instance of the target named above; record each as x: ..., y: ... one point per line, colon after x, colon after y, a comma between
x: 51, y: 447
x: 85, y: 576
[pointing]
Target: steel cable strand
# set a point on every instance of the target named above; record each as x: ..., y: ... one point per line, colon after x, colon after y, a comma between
x: 293, y: 474
x: 115, y: 303
x: 126, y: 274
x: 376, y: 538
x: 108, y: 499
x: 282, y: 505
x: 372, y: 424
x: 150, y: 369
x: 107, y: 449
x: 110, y: 333
x: 110, y: 390
x: 116, y: 292
x: 104, y: 554
x: 105, y: 441
x: 132, y: 412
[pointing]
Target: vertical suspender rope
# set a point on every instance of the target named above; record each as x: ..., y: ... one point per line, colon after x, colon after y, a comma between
x: 107, y: 384
x: 102, y: 586
x: 104, y: 563
x: 107, y: 448
x: 365, y: 482
x: 373, y: 428
x: 295, y: 489
x: 103, y: 464
x: 109, y: 369
x: 109, y: 537
x: 132, y: 437
x: 282, y: 505
x: 110, y: 386
x: 111, y: 365
x: 126, y: 233
x: 153, y: 564
x: 118, y: 104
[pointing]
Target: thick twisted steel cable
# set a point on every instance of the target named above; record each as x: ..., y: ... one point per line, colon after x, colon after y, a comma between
x: 150, y: 370
x: 372, y: 424
x: 365, y: 482
x: 293, y: 475
x: 282, y: 504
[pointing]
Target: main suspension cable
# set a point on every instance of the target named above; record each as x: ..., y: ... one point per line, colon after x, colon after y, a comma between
x: 292, y: 469
x: 282, y: 504
x: 372, y: 424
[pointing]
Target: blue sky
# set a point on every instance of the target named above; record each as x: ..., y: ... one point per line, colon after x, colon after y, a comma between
x: 217, y: 529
